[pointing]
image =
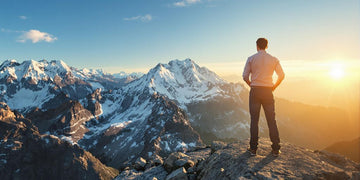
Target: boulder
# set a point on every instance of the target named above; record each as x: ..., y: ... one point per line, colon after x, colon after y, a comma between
x: 179, y: 174
x: 169, y: 163
x: 216, y: 145
x: 140, y: 164
x: 186, y: 163
x: 157, y: 160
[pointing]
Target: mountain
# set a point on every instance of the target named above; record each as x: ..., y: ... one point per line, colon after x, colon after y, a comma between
x: 350, y: 149
x: 232, y: 161
x: 67, y: 121
x: 135, y: 127
x: 26, y: 154
x: 40, y: 83
x: 178, y: 106
x: 196, y: 90
x: 132, y: 76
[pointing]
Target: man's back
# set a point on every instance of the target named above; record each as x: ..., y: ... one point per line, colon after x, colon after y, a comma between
x: 262, y: 66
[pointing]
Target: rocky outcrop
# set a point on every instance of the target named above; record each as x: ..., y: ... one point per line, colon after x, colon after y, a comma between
x: 232, y: 161
x: 165, y: 129
x: 66, y: 120
x: 26, y: 154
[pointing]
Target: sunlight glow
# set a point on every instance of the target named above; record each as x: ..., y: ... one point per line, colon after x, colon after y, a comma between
x: 337, y: 71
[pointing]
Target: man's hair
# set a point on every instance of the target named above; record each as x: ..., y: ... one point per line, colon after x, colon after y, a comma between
x: 262, y: 43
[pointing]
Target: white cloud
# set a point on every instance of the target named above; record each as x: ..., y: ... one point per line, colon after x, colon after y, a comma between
x: 23, y: 17
x: 36, y: 36
x: 185, y: 3
x: 145, y: 18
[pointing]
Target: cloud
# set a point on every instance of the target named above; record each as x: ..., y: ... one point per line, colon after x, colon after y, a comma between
x: 36, y: 36
x: 145, y: 18
x: 184, y: 3
x: 23, y: 17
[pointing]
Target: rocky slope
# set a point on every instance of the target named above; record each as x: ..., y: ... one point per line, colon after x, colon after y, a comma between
x: 156, y: 126
x: 350, y: 149
x: 232, y: 161
x: 68, y: 120
x: 26, y: 154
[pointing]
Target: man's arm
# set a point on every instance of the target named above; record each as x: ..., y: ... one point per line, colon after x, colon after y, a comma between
x: 247, y: 71
x: 281, y: 75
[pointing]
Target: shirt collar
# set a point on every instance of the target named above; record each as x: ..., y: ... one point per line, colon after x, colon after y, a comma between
x: 262, y: 51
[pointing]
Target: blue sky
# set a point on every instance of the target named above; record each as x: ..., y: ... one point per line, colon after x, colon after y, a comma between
x: 134, y: 35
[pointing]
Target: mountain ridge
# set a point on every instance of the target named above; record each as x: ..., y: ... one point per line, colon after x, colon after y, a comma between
x: 122, y: 122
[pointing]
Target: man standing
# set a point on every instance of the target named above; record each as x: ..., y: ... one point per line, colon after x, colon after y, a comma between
x: 261, y: 66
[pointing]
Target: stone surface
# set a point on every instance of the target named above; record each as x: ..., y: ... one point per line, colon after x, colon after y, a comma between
x: 157, y: 172
x: 234, y: 162
x: 186, y: 163
x: 169, y: 163
x: 179, y: 174
x: 140, y: 163
x: 216, y: 145
x: 157, y: 160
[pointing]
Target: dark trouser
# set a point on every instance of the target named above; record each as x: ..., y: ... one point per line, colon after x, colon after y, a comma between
x: 263, y: 96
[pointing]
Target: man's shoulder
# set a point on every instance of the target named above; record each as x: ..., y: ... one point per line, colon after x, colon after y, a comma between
x: 272, y: 57
x: 252, y: 56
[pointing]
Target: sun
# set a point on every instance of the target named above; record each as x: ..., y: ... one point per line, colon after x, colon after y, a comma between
x: 337, y: 71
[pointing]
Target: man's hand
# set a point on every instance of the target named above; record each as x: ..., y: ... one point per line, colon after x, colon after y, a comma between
x: 273, y: 88
x: 279, y: 80
x: 247, y: 82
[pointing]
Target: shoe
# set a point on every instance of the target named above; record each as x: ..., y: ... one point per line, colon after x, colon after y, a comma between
x: 252, y: 151
x: 275, y: 153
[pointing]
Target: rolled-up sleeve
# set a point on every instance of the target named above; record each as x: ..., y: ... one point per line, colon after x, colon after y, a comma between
x: 279, y: 71
x: 247, y: 70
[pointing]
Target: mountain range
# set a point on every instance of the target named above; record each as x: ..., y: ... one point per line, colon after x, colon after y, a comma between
x: 178, y: 106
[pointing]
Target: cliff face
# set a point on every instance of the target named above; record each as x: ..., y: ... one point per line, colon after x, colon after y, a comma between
x: 26, y: 154
x: 232, y: 161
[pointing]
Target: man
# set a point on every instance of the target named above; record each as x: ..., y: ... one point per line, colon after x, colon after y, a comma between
x: 261, y: 66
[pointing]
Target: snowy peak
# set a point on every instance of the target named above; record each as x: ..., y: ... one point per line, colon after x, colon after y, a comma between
x: 36, y: 70
x: 122, y: 74
x: 185, y: 71
x: 182, y: 81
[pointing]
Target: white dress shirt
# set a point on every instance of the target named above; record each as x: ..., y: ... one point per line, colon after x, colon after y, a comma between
x: 261, y: 66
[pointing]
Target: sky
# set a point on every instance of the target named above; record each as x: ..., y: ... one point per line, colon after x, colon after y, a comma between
x: 135, y: 35
x: 312, y: 39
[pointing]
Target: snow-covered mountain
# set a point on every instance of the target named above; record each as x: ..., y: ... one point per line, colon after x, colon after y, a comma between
x: 36, y: 83
x: 123, y: 74
x: 181, y: 81
x: 174, y: 107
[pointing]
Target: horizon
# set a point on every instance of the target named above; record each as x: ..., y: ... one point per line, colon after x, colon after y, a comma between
x: 139, y: 89
x: 316, y: 42
x: 134, y: 35
x: 338, y: 96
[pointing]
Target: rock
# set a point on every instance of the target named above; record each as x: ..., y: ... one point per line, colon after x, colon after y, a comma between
x: 157, y: 160
x: 153, y: 173
x: 179, y: 174
x: 25, y: 154
x: 191, y: 177
x: 216, y: 145
x: 191, y: 170
x: 234, y: 162
x: 140, y: 164
x: 186, y: 163
x: 169, y: 163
